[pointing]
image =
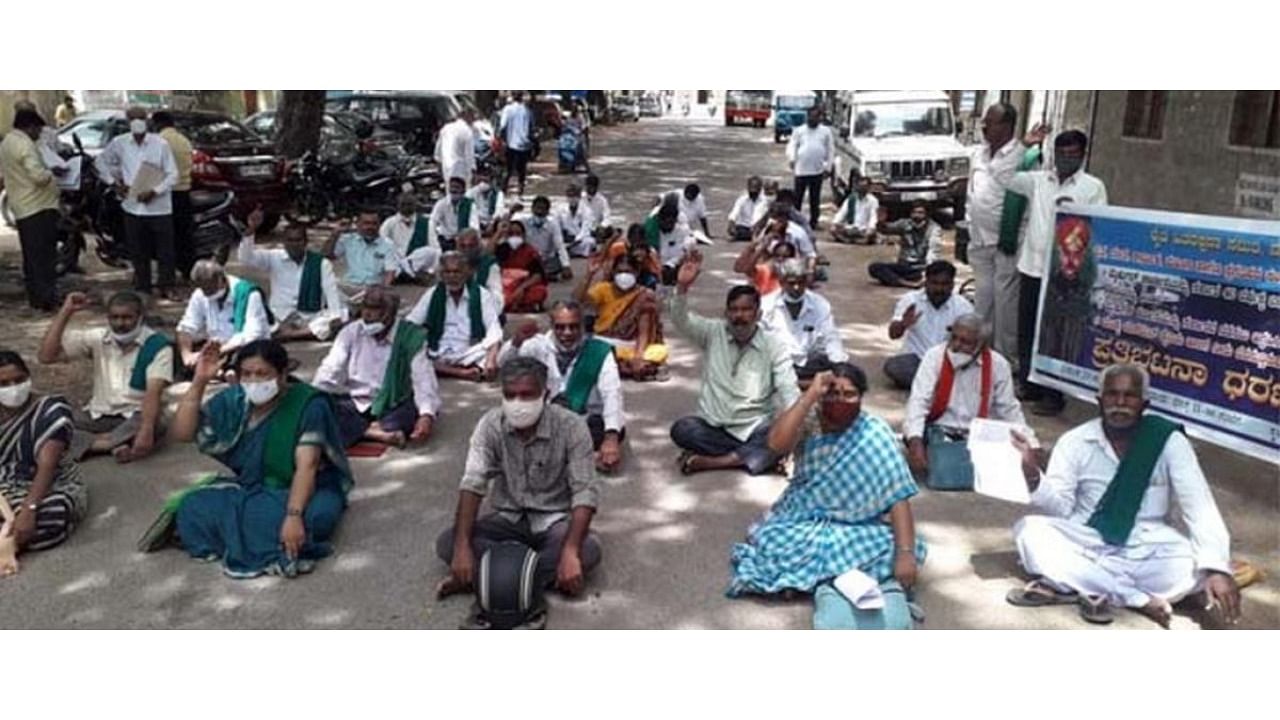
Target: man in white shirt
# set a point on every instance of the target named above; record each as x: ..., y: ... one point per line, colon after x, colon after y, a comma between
x: 582, y: 375
x: 693, y: 206
x: 369, y: 404
x: 417, y: 251
x: 1045, y: 191
x: 574, y: 219
x: 673, y: 238
x: 762, y: 209
x: 489, y: 202
x: 924, y: 316
x: 598, y: 204
x: 463, y: 331
x: 143, y: 157
x: 516, y: 129
x: 452, y: 214
x: 958, y: 381
x: 543, y: 233
x: 743, y: 215
x: 1105, y: 538
x: 305, y: 300
x: 856, y: 220
x: 811, y: 153
x: 802, y: 321
x: 224, y: 309
x: 456, y: 147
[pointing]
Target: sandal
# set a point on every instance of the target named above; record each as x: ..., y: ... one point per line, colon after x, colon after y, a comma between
x: 1095, y: 610
x: 1038, y: 593
x: 686, y: 462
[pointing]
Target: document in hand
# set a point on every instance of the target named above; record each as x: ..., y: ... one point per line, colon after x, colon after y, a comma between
x: 860, y: 589
x: 71, y: 179
x: 148, y: 178
x: 997, y: 464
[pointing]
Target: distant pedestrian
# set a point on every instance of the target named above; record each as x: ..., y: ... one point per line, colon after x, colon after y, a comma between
x: 811, y: 153
x: 33, y: 199
x: 184, y: 249
x: 516, y: 128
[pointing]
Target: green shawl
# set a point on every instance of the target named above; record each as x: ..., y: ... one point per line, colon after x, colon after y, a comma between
x: 240, y: 295
x: 147, y: 355
x: 1015, y: 207
x: 436, y: 313
x: 419, y: 238
x: 652, y: 233
x: 585, y: 373
x: 1118, y: 508
x: 397, y: 379
x: 310, y: 292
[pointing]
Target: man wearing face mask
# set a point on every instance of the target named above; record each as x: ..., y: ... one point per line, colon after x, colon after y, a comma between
x: 140, y: 165
x: 371, y: 259
x: 417, y: 251
x: 742, y: 216
x: 34, y: 199
x: 535, y: 464
x: 811, y: 153
x: 452, y: 214
x: 770, y: 196
x: 801, y: 320
x: 225, y: 309
x: 761, y: 261
x: 305, y: 300
x: 575, y: 223
x: 919, y: 242
x: 384, y: 384
x: 1105, y: 538
x: 957, y: 381
x: 463, y: 332
x: 543, y: 233
x: 597, y: 204
x: 582, y: 375
x: 856, y: 220
x: 485, y: 271
x: 132, y: 366
x: 490, y: 202
x: 923, y: 317
x: 745, y: 373
x: 1045, y: 191
x: 848, y: 476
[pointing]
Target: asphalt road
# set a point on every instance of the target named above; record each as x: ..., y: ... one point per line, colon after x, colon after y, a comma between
x: 666, y: 537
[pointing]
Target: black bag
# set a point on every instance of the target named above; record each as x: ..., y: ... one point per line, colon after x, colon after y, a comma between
x: 507, y: 591
x: 962, y: 245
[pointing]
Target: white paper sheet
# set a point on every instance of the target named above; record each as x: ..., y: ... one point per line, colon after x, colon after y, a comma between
x: 71, y: 180
x: 147, y: 179
x: 860, y: 589
x: 997, y: 464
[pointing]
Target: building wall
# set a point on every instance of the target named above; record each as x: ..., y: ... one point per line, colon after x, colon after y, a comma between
x: 1191, y: 169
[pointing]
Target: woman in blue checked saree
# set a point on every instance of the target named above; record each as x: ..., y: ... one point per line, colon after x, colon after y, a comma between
x: 831, y: 519
x: 277, y: 514
x: 38, y: 479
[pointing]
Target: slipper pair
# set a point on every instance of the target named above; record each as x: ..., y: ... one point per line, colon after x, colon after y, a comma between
x: 1038, y: 593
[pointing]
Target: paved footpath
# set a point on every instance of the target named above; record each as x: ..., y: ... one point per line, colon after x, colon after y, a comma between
x: 666, y: 537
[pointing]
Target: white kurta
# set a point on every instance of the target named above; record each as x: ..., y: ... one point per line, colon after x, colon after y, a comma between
x: 456, y: 151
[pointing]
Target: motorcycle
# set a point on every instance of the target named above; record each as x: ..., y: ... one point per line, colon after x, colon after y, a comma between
x: 325, y: 189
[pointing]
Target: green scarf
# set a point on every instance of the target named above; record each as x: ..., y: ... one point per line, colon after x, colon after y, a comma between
x: 852, y: 212
x: 493, y: 202
x: 436, y: 313
x: 150, y: 348
x: 282, y: 435
x: 480, y: 278
x: 585, y: 373
x: 310, y: 294
x: 240, y: 295
x: 397, y: 379
x: 464, y: 213
x: 1118, y: 508
x: 652, y: 233
x: 419, y: 238
x: 1015, y: 207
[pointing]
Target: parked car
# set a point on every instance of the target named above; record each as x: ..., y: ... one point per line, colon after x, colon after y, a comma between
x: 625, y: 109
x: 650, y: 106
x: 226, y: 155
x: 342, y: 135
x: 417, y: 116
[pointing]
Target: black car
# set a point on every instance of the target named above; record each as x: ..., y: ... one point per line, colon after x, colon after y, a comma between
x: 342, y: 135
x: 417, y: 116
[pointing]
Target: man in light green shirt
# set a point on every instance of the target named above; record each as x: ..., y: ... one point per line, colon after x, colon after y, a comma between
x: 33, y: 198
x: 745, y: 372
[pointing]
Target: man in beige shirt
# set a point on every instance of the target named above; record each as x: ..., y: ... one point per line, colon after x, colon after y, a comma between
x: 183, y: 244
x: 123, y: 414
x: 33, y: 199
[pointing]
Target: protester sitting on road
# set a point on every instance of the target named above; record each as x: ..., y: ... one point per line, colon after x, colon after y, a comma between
x: 744, y: 371
x: 485, y: 270
x: 644, y: 259
x: 743, y: 215
x: 452, y: 214
x: 831, y: 519
x: 669, y: 237
x: 627, y: 316
x: 132, y: 366
x: 543, y: 233
x: 276, y: 514
x: 855, y: 222
x: 784, y: 198
x: 489, y: 200
x: 693, y: 207
x: 224, y: 309
x: 524, y: 279
x: 958, y: 381
x: 802, y: 321
x: 924, y: 316
x: 461, y: 322
x: 919, y: 242
x: 305, y: 300
x: 760, y: 261
x: 598, y: 204
x: 383, y: 383
x: 38, y: 478
x: 574, y: 218
x: 534, y: 462
x: 1106, y: 538
x: 417, y: 251
x: 770, y: 193
x: 371, y: 259
x: 582, y: 375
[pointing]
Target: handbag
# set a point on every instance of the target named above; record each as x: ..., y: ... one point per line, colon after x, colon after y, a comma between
x: 950, y: 467
x: 833, y: 611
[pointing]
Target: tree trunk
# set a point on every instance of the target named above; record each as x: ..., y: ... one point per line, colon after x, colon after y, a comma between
x: 298, y: 119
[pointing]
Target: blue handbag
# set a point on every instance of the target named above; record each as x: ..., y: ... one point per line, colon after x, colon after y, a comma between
x: 949, y: 465
x: 833, y: 611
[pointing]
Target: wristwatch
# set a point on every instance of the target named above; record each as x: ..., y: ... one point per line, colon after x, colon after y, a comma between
x: 293, y: 512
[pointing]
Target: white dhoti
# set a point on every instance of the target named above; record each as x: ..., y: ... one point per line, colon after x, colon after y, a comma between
x: 424, y: 259
x: 319, y: 323
x: 1073, y: 557
x: 461, y: 357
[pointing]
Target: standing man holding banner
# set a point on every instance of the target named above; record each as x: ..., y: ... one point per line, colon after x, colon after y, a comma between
x: 1045, y: 190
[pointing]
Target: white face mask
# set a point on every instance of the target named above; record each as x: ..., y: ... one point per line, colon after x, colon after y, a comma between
x: 372, y: 328
x: 625, y: 281
x: 262, y: 392
x: 129, y: 337
x: 959, y: 359
x: 138, y: 127
x: 15, y: 396
x: 514, y: 241
x: 522, y: 414
x: 482, y: 187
